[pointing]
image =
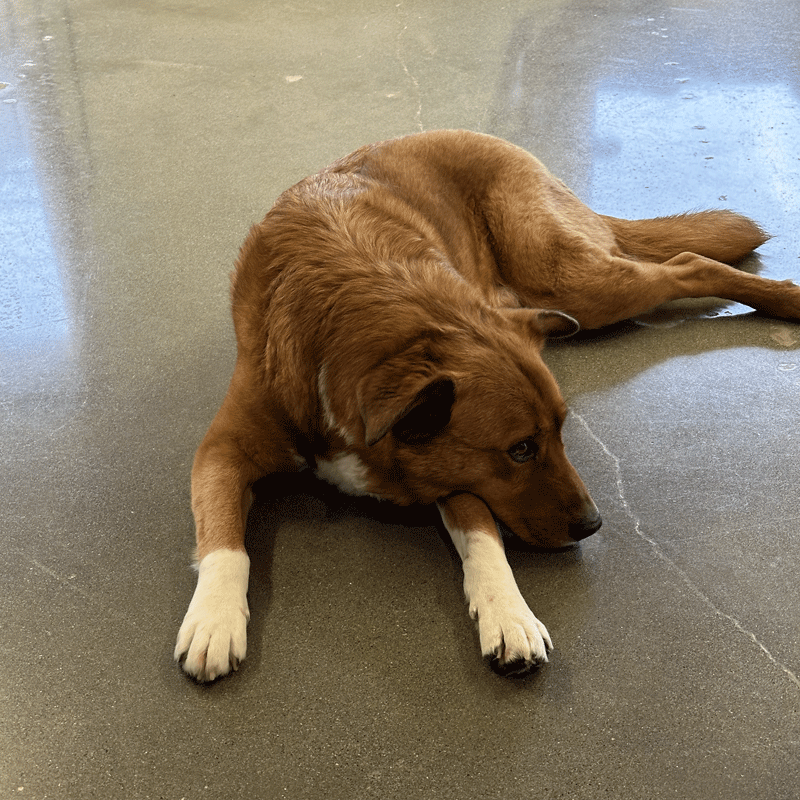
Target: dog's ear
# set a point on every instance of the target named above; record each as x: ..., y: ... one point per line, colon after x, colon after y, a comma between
x: 556, y: 324
x: 545, y: 322
x: 414, y: 404
x: 428, y: 414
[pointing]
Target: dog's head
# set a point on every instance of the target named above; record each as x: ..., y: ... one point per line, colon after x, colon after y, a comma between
x: 477, y: 410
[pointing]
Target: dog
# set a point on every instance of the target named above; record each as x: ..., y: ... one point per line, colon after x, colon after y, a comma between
x: 390, y: 313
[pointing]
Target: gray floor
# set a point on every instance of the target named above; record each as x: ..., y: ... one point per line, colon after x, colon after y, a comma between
x: 139, y: 141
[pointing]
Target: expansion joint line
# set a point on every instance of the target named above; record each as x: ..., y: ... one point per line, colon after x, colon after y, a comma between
x: 671, y: 564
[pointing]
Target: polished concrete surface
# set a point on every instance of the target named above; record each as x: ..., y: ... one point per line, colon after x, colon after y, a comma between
x: 138, y: 142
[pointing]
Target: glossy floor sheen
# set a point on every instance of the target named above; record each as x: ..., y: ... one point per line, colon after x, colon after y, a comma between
x: 139, y: 141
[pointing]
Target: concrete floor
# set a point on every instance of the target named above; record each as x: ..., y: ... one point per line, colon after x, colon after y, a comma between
x: 139, y: 141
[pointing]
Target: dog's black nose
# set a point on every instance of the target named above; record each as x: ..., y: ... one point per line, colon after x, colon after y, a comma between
x: 586, y: 527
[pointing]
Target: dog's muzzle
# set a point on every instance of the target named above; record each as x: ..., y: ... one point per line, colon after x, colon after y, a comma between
x: 586, y: 527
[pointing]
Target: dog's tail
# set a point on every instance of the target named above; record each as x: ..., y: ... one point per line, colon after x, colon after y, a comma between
x: 722, y: 235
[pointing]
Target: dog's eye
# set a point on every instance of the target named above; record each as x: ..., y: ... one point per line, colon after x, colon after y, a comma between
x: 523, y: 451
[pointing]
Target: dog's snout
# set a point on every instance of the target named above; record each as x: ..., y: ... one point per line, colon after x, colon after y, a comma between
x: 585, y: 528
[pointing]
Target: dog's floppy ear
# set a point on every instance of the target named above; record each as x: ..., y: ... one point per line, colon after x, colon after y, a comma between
x: 544, y: 321
x: 556, y: 324
x: 428, y: 414
x: 411, y: 402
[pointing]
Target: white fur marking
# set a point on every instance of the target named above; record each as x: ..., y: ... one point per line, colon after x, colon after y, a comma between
x: 347, y: 472
x: 213, y: 636
x: 324, y: 399
x: 298, y: 459
x: 507, y: 628
x: 327, y: 411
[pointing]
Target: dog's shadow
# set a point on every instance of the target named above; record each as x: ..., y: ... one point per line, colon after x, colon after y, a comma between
x: 294, y: 517
x: 302, y: 507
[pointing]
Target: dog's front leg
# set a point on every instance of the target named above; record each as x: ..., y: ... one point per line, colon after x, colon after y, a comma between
x: 213, y: 637
x: 510, y: 635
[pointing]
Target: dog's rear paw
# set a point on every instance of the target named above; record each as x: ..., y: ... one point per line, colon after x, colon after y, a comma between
x: 512, y: 639
x: 213, y: 637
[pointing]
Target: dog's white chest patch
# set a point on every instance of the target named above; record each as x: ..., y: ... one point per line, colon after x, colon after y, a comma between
x: 347, y: 472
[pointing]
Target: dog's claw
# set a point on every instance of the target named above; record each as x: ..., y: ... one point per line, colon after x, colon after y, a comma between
x: 516, y: 668
x: 200, y: 673
x: 213, y: 637
x: 514, y: 642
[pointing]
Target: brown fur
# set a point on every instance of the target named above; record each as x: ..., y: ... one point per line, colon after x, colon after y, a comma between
x: 393, y: 307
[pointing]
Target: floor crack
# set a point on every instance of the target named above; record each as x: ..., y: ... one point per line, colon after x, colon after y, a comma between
x: 412, y: 78
x: 671, y: 564
x: 69, y: 583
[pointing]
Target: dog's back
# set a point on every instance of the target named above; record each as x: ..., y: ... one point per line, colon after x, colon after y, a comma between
x: 456, y: 200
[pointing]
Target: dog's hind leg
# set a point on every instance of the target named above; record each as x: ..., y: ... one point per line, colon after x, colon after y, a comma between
x: 620, y: 288
x: 511, y: 637
x: 554, y: 252
x: 697, y: 276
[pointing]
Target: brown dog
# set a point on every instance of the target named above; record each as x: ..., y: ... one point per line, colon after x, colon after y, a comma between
x: 390, y: 312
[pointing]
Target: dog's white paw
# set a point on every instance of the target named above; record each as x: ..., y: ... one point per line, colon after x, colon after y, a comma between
x: 213, y: 637
x: 512, y: 638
